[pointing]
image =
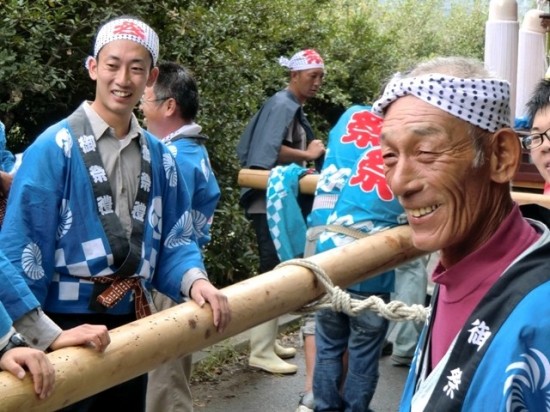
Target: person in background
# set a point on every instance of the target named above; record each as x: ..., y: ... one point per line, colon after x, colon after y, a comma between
x: 96, y: 202
x: 7, y: 162
x: 411, y: 283
x: 170, y: 107
x: 449, y: 156
x: 538, y: 141
x: 278, y: 134
x: 354, y: 193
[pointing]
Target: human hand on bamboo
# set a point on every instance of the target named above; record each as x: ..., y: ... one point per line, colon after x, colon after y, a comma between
x: 19, y: 360
x: 94, y: 336
x: 203, y: 291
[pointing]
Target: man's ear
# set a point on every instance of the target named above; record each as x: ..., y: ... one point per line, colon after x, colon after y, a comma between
x: 171, y: 106
x: 153, y: 76
x: 505, y: 155
x: 91, y: 64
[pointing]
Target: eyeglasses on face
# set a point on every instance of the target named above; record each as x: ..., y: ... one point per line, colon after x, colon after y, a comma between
x: 144, y: 100
x: 534, y: 140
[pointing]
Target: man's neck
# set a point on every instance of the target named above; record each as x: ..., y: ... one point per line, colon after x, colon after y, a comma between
x: 119, y: 123
x: 301, y: 99
x: 167, y: 128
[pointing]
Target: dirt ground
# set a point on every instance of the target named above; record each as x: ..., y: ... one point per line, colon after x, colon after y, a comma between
x: 215, y: 380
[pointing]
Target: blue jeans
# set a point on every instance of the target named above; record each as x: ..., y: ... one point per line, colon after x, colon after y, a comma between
x: 363, y: 337
x: 411, y: 281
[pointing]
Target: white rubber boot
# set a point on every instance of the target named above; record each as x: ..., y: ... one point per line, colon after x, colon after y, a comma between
x: 284, y: 352
x: 262, y: 350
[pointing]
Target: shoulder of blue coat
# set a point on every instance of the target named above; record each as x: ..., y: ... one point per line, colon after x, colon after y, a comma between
x: 155, y: 145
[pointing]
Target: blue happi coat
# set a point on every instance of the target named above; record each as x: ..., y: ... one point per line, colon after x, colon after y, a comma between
x: 5, y: 326
x: 54, y: 237
x: 500, y: 359
x: 352, y: 190
x: 200, y: 180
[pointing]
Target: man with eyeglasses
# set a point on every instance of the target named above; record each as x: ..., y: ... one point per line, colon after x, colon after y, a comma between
x: 538, y: 142
x: 170, y: 107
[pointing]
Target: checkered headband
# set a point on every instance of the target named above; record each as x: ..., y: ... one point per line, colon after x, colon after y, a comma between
x: 128, y: 29
x: 303, y: 60
x: 482, y: 102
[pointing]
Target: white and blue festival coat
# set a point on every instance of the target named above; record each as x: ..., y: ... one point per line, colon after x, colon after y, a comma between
x: 6, y: 328
x: 60, y: 234
x: 352, y: 191
x: 500, y: 360
x: 187, y: 146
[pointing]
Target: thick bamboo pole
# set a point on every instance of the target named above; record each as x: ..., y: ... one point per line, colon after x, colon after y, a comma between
x: 142, y: 345
x: 257, y: 179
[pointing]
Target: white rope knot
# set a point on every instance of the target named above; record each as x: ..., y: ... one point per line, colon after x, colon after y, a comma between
x: 340, y: 301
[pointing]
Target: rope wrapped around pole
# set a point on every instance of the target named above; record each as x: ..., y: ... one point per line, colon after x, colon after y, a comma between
x: 340, y: 301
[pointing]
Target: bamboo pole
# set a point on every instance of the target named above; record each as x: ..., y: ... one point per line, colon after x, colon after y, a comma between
x: 144, y: 344
x: 257, y: 179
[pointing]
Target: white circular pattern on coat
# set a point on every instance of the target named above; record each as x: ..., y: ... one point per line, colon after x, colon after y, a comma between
x: 31, y: 261
x: 181, y: 233
x: 155, y: 217
x: 199, y: 222
x: 65, y: 219
x: 169, y: 164
x: 528, y: 382
x: 64, y: 141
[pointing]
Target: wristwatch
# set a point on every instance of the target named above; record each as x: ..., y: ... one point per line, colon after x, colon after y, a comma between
x: 16, y: 341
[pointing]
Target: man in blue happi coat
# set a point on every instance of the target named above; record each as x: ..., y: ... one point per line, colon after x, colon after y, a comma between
x: 170, y: 108
x: 352, y: 201
x: 449, y: 156
x: 98, y: 212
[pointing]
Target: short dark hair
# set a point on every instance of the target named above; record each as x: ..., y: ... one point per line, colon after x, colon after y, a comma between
x: 539, y: 100
x: 177, y: 82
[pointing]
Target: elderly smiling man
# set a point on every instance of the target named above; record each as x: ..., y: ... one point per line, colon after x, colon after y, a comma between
x: 449, y: 155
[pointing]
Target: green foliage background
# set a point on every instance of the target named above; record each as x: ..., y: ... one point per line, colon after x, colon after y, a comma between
x: 232, y: 46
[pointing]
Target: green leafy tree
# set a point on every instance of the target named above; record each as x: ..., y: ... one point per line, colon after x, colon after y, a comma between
x: 232, y: 46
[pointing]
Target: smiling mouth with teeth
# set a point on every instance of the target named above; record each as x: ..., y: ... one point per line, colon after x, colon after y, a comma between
x: 423, y: 211
x: 121, y: 94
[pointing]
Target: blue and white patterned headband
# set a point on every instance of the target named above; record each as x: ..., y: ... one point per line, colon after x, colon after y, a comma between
x: 482, y: 102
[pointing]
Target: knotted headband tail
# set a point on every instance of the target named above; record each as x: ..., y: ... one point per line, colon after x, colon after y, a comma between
x: 481, y: 102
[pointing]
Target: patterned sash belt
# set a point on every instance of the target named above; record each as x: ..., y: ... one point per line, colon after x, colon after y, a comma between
x: 118, y: 288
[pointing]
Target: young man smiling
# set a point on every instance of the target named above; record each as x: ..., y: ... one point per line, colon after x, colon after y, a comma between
x: 88, y: 226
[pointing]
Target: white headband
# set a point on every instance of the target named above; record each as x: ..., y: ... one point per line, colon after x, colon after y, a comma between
x: 128, y: 29
x: 303, y: 60
x: 482, y: 102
